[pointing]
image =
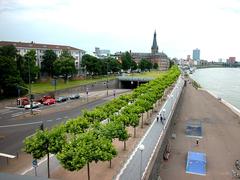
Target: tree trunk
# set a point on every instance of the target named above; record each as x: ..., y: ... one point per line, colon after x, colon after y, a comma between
x: 88, y: 170
x: 134, y: 132
x: 110, y: 163
x: 124, y: 143
x: 142, y: 121
x: 48, y: 165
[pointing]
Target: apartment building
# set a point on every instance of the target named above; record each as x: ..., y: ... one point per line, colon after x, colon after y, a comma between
x: 24, y: 47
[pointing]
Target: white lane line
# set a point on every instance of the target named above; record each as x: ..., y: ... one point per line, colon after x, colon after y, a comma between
x: 23, y: 124
x: 18, y: 114
x: 58, y: 119
x: 7, y: 107
x: 40, y: 162
x: 7, y: 111
x: 49, y: 120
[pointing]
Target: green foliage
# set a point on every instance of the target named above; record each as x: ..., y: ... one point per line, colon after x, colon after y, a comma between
x: 77, y: 126
x: 155, y: 66
x: 49, y: 57
x: 65, y: 66
x: 91, y: 140
x: 36, y: 145
x: 29, y: 65
x: 92, y: 64
x: 145, y: 64
x: 84, y: 149
x: 9, y: 77
x: 126, y: 61
x: 8, y: 51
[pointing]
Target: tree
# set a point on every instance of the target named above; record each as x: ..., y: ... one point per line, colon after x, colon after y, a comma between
x: 30, y: 66
x: 9, y: 77
x: 44, y: 142
x: 155, y: 66
x: 145, y: 64
x: 8, y: 51
x: 84, y: 149
x: 92, y: 64
x: 65, y: 66
x: 126, y: 61
x: 49, y: 57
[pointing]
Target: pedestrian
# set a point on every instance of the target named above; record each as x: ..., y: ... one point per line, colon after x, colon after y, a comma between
x: 161, y: 118
x: 197, y: 142
x: 157, y: 117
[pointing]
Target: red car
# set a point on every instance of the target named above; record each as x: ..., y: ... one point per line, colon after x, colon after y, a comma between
x: 49, y: 101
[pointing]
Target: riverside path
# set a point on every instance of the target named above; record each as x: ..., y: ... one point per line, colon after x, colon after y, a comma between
x: 137, y: 165
x: 220, y: 139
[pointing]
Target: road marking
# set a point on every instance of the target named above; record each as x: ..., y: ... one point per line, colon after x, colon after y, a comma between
x: 12, y: 107
x: 19, y: 114
x: 23, y: 124
x: 49, y: 120
x: 6, y: 111
x: 58, y: 119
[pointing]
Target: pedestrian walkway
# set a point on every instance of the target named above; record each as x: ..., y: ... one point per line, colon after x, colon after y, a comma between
x: 138, y: 163
x: 220, y: 137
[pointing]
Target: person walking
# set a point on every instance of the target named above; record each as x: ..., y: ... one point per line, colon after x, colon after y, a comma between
x: 161, y: 119
x: 157, y: 117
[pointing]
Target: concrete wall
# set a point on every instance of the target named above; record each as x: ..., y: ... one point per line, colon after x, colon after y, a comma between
x: 154, y: 168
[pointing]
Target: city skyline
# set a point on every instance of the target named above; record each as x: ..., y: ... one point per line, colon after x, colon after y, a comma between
x: 180, y: 26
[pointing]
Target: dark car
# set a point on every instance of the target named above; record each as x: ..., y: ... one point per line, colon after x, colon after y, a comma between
x: 74, y: 96
x: 62, y: 99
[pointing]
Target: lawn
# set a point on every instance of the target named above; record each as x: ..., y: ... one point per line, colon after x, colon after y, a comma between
x: 43, y: 87
x: 152, y: 74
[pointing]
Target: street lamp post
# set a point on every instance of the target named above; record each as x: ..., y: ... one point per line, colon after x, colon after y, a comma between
x: 107, y: 78
x: 141, y: 148
x: 30, y: 86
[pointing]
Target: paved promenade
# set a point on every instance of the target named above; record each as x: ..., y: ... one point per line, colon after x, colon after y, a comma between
x: 138, y: 163
x: 220, y: 142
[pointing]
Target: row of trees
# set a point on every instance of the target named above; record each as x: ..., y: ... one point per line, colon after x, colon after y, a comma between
x: 85, y: 139
x: 17, y: 70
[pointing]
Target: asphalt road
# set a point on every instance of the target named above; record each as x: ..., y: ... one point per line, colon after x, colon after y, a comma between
x: 15, y: 129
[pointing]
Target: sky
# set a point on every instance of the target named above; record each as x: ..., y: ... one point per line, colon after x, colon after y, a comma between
x: 122, y: 25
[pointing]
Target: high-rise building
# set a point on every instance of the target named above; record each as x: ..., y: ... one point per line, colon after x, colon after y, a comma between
x: 196, y: 54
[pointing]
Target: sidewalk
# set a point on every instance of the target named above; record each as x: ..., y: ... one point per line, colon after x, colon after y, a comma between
x: 220, y: 141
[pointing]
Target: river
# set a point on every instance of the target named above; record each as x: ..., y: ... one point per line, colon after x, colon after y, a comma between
x: 223, y: 82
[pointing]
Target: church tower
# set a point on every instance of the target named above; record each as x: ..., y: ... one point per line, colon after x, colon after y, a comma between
x: 154, y: 45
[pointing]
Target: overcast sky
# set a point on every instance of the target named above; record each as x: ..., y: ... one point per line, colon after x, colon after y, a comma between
x: 213, y: 26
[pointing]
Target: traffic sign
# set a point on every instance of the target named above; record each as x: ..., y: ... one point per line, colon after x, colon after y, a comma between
x: 34, y: 163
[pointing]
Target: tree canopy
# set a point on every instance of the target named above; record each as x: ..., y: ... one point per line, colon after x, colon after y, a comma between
x: 49, y: 57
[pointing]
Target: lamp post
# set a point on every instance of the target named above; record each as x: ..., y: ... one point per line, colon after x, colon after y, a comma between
x: 30, y: 86
x: 141, y: 148
x: 107, y: 79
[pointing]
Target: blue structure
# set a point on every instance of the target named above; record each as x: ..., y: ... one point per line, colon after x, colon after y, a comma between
x: 194, y: 129
x: 196, y: 54
x: 196, y: 163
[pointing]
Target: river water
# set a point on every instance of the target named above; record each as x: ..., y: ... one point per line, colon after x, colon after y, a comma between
x: 223, y: 82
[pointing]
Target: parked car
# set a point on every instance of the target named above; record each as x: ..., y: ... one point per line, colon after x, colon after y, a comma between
x: 62, y: 99
x: 22, y: 102
x: 74, y: 96
x: 44, y: 98
x: 49, y: 101
x: 34, y: 105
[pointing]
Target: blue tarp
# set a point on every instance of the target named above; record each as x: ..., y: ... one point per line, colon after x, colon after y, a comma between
x: 196, y: 163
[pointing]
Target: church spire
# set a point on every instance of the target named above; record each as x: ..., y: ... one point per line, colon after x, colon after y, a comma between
x: 154, y: 45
